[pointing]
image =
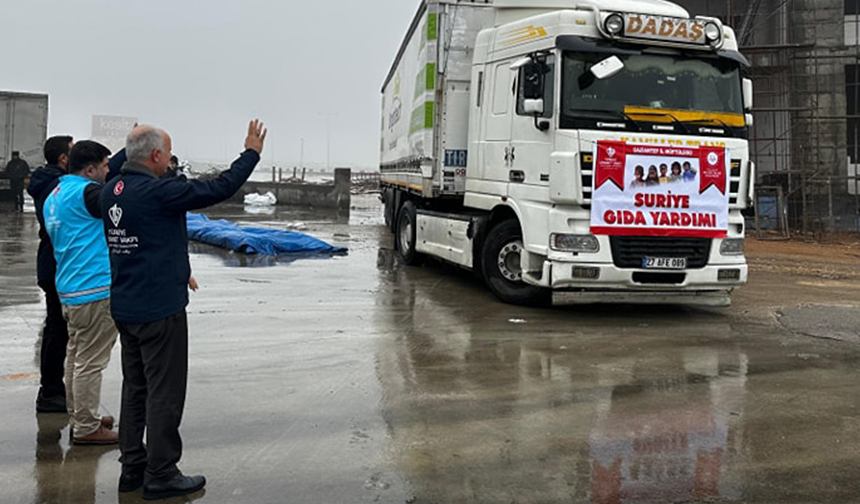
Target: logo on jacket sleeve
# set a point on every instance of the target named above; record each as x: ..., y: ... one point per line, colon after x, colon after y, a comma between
x: 115, y: 212
x: 117, y: 190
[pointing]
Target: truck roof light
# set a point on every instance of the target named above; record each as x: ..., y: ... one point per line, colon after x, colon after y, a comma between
x: 713, y: 32
x: 614, y: 24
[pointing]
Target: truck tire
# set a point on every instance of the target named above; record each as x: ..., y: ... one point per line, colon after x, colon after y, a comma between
x: 501, y: 267
x: 405, y: 234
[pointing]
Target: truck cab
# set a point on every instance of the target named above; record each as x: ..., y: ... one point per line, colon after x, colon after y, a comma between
x: 606, y: 154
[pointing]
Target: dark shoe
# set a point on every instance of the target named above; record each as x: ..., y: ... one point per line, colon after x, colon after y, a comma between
x: 174, y: 487
x: 101, y: 436
x: 51, y: 404
x: 107, y: 422
x: 131, y: 480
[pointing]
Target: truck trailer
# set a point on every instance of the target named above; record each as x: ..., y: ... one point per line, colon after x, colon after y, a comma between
x: 587, y: 150
x: 23, y: 128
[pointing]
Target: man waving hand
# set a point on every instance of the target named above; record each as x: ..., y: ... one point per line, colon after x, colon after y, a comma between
x: 144, y: 221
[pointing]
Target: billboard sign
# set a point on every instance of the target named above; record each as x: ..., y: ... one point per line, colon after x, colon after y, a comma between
x: 112, y: 126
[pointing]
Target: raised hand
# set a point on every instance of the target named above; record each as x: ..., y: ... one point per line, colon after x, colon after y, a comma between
x: 256, y: 136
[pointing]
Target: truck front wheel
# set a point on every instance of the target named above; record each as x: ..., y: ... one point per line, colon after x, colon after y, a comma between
x: 405, y: 234
x: 501, y: 267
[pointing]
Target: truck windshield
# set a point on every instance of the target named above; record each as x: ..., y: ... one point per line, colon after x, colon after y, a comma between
x: 651, y: 86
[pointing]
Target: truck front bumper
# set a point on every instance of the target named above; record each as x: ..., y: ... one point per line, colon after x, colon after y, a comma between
x: 601, y: 282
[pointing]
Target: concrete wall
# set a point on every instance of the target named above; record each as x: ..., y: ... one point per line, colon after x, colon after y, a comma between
x: 334, y: 195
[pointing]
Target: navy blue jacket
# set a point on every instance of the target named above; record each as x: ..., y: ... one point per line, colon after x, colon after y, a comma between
x: 115, y: 165
x: 144, y: 219
x: 42, y: 182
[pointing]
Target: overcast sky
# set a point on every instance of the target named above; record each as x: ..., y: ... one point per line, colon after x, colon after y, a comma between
x: 202, y: 68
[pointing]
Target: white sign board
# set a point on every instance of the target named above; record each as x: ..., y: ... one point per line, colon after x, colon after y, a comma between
x: 112, y: 130
x: 112, y: 126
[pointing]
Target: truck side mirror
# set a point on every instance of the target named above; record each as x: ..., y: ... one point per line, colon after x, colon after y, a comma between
x: 748, y: 94
x: 607, y: 68
x: 533, y: 106
x: 532, y: 80
x: 531, y: 88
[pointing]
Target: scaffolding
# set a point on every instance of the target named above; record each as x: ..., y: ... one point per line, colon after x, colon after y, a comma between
x: 806, y: 136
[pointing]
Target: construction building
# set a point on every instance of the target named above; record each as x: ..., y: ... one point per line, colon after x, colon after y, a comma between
x: 805, y: 141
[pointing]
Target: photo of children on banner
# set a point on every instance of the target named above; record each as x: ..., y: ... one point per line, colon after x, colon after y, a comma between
x: 689, y: 173
x: 639, y: 179
x: 664, y: 175
x: 652, y: 178
x: 676, y: 172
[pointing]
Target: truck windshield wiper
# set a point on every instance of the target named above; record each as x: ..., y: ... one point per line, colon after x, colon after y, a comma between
x: 707, y: 120
x: 674, y: 119
x: 605, y: 114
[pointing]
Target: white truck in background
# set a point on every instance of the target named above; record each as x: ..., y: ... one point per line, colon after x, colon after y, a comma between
x: 23, y: 126
x: 592, y: 148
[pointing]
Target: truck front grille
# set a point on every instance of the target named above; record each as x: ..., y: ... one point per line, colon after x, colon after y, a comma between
x: 628, y: 251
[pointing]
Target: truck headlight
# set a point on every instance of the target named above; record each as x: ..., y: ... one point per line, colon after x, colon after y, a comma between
x: 732, y: 247
x: 574, y: 243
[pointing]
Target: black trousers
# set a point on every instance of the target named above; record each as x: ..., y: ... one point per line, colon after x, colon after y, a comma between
x: 55, y: 338
x: 154, y: 372
x: 17, y: 186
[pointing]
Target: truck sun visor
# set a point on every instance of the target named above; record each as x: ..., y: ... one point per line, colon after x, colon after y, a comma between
x: 592, y: 45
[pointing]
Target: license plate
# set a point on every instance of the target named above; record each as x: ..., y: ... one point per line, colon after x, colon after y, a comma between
x: 664, y: 262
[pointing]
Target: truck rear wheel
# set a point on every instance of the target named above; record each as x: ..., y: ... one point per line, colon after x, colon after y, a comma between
x: 502, y: 271
x: 405, y: 234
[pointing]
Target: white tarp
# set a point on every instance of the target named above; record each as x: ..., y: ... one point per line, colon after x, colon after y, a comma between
x: 257, y: 199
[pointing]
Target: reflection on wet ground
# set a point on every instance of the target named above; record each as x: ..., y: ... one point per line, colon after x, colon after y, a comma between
x: 355, y: 379
x: 609, y: 404
x: 65, y: 472
x: 18, y: 239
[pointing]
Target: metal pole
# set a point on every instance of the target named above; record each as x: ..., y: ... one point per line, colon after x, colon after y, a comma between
x: 832, y: 218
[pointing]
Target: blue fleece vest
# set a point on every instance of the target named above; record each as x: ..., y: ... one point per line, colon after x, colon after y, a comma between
x: 80, y: 247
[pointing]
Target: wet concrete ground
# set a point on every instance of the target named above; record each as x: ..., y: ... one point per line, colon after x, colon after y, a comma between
x: 355, y: 379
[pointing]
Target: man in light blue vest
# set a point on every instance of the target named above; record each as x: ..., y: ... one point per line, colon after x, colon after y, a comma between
x: 73, y: 222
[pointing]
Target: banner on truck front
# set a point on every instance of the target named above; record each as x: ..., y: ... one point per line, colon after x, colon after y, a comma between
x: 647, y: 190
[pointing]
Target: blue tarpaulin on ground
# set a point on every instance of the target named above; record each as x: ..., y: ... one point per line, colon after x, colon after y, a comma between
x: 247, y: 240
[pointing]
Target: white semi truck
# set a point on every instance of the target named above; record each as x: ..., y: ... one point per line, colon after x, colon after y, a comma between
x: 592, y: 148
